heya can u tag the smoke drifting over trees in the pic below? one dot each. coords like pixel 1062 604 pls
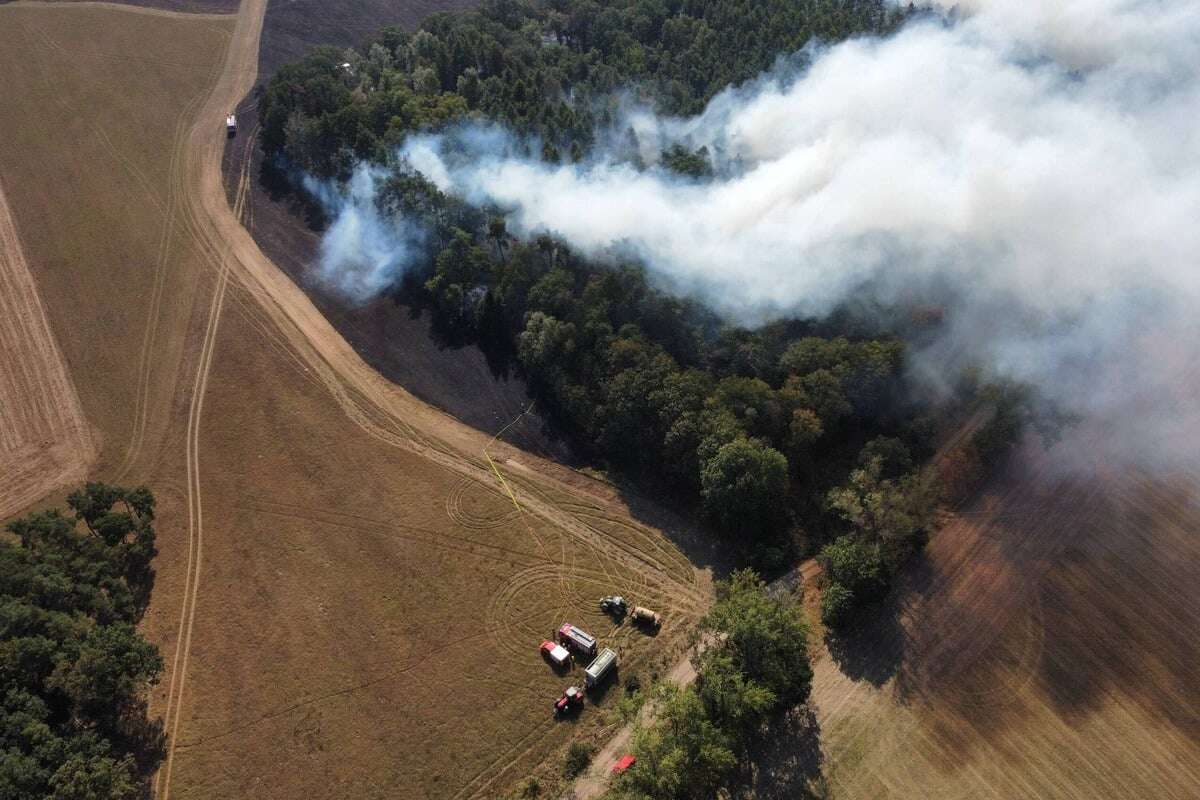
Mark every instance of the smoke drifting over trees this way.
pixel 1033 168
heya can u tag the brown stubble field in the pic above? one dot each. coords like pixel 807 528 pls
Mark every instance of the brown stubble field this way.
pixel 348 598
pixel 1047 647
pixel 45 440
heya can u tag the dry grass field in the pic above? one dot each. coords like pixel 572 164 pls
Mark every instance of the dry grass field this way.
pixel 352 584
pixel 1047 649
pixel 350 590
pixel 45 441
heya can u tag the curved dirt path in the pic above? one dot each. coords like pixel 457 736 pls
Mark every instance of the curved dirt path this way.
pixel 382 410
pixel 45 441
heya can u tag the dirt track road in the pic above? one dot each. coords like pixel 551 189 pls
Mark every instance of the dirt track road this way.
pixel 382 410
pixel 45 442
pixel 594 780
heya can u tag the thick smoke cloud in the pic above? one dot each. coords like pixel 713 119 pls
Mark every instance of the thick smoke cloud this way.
pixel 1034 165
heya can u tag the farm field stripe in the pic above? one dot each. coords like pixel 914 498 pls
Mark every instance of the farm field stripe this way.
pixel 45 440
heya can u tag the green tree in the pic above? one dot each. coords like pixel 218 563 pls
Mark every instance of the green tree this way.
pixel 682 756
pixel 895 514
pixel 73 668
pixel 744 486
pixel 579 755
pixel 765 637
pixel 95 777
pixel 838 606
pixel 856 565
pixel 736 702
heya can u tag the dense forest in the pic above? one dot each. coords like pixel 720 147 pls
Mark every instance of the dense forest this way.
pixel 73 667
pixel 555 69
pixel 787 438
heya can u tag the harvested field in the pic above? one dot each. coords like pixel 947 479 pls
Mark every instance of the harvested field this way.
pixel 45 442
pixel 1041 652
pixel 70 177
pixel 187 6
pixel 351 585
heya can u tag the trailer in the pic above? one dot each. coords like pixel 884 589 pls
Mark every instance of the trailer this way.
pixel 600 669
pixel 644 616
pixel 577 639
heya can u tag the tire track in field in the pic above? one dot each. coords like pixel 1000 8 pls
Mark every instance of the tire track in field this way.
pixel 391 674
pixel 150 332
pixel 380 409
pixel 187 612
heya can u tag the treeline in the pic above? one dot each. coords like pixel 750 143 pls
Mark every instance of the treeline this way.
pixel 751 659
pixel 73 668
pixel 550 69
pixel 753 426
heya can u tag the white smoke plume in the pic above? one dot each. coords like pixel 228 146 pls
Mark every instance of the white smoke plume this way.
pixel 362 253
pixel 1037 162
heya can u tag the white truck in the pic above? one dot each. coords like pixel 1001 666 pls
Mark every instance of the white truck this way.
pixel 231 125
pixel 600 669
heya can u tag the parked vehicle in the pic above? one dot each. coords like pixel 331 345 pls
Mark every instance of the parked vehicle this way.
pixel 614 604
pixel 571 700
pixel 623 763
pixel 600 669
pixel 558 655
pixel 577 639
pixel 645 616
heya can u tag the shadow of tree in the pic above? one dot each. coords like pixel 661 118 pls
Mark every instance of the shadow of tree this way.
pixel 785 762
pixel 872 650
pixel 145 739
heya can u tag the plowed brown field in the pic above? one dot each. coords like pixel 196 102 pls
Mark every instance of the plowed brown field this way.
pixel 1047 649
pixel 352 585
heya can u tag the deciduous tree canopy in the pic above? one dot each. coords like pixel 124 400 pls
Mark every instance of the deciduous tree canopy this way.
pixel 73 667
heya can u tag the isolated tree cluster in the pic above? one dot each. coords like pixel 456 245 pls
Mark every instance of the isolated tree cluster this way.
pixel 751 659
pixel 74 670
